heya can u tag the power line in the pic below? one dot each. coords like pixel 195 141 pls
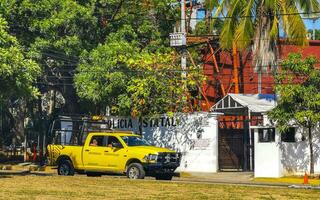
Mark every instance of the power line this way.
pixel 252 16
pixel 215 84
pixel 195 18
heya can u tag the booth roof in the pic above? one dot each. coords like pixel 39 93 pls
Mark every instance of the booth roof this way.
pixel 239 103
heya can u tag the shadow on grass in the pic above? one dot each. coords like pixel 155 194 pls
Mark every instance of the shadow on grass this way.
pixel 5 176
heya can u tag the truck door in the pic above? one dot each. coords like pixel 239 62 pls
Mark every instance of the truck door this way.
pixel 116 154
pixel 94 152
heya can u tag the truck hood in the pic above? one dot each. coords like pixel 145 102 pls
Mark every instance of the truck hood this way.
pixel 150 149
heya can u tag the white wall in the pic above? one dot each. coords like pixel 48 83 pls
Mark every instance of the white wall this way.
pixel 295 157
pixel 276 159
pixel 195 136
pixel 267 156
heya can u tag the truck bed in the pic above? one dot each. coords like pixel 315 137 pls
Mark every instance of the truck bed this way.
pixel 74 152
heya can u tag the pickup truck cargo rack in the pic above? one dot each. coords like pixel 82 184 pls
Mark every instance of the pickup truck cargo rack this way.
pixel 73 130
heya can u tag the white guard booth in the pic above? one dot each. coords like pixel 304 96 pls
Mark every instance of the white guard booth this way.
pixel 275 154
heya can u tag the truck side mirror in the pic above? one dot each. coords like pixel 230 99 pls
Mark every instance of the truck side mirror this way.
pixel 117 145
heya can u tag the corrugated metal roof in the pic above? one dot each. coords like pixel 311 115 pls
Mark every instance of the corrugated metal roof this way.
pixel 256 103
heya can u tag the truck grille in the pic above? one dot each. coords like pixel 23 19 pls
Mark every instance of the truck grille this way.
pixel 169 158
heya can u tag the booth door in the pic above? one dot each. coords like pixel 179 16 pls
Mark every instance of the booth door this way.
pixel 231 149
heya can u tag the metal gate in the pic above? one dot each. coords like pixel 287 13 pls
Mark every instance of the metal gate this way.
pixel 236 149
pixel 231 149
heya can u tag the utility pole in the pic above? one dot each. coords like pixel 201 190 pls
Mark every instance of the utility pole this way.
pixel 183 31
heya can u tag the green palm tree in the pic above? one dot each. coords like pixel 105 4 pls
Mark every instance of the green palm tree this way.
pixel 256 24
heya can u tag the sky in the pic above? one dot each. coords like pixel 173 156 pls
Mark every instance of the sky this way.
pixel 309 24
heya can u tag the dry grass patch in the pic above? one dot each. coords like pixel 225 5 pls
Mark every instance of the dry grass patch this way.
pixel 106 187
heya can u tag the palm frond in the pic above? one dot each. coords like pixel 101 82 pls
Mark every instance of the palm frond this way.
pixel 229 26
pixel 245 29
pixel 310 6
pixel 274 32
pixel 219 9
pixel 211 4
pixel 294 26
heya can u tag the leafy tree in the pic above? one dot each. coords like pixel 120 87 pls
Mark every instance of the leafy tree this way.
pixel 132 72
pixel 298 86
pixel 18 75
pixel 111 45
pixel 57 32
pixel 54 33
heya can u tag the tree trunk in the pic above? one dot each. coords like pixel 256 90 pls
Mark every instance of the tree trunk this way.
pixel 19 114
pixel 311 151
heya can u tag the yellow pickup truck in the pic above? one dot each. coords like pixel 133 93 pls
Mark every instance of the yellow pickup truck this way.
pixel 120 152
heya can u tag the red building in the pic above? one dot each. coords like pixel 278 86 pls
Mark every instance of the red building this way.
pixel 219 69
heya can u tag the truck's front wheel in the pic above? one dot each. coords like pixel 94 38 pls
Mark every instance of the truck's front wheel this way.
pixel 135 171
pixel 65 168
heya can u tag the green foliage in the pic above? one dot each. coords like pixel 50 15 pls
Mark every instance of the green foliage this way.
pixel 204 27
pixel 298 86
pixel 132 72
pixel 118 50
pixel 135 81
pixel 317 32
pixel 17 73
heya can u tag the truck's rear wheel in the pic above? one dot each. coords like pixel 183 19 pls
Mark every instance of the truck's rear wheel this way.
pixel 164 176
pixel 135 171
pixel 65 168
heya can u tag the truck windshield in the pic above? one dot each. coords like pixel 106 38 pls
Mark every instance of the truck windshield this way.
pixel 135 141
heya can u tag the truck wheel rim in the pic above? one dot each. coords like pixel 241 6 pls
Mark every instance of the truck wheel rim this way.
pixel 64 169
pixel 133 173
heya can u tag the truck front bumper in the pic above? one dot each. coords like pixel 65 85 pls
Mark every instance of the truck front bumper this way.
pixel 158 168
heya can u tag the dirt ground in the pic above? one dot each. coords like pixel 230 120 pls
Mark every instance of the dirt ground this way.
pixel 106 187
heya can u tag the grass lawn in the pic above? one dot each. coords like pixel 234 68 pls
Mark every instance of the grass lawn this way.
pixel 82 187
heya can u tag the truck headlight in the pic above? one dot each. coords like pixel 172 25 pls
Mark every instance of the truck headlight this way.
pixel 151 157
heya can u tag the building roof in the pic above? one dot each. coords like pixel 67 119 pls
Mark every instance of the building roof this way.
pixel 240 104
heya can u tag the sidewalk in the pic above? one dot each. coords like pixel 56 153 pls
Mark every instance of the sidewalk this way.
pixel 237 178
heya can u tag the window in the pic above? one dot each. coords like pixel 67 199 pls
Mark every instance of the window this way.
pixel 266 134
pixel 289 135
pixel 135 141
pixel 98 141
pixel 113 141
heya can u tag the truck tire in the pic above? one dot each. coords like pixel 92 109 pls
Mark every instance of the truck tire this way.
pixel 135 171
pixel 164 177
pixel 65 168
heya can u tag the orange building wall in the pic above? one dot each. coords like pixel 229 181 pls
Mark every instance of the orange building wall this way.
pixel 248 78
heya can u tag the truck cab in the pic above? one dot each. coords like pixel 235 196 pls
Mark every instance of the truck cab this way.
pixel 115 151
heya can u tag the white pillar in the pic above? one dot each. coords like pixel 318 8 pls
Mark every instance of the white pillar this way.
pixel 214 129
